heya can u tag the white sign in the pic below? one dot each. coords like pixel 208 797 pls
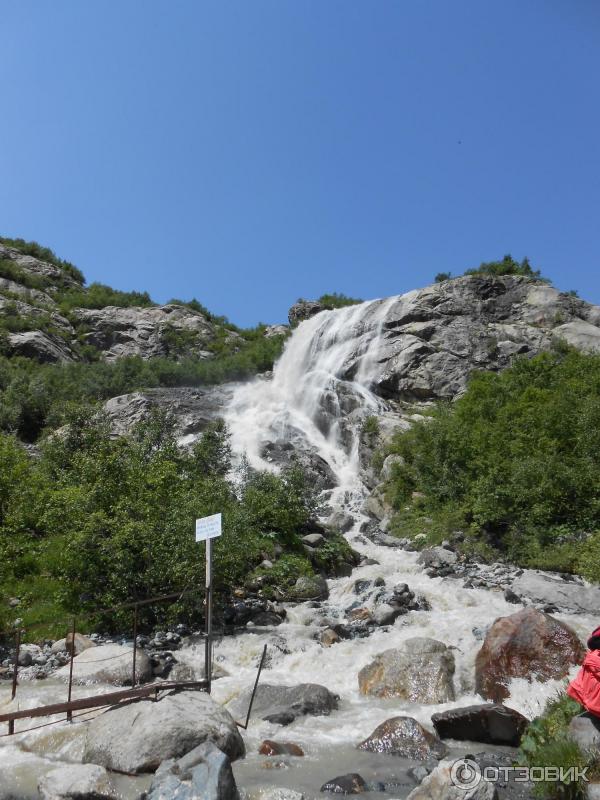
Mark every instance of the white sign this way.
pixel 208 528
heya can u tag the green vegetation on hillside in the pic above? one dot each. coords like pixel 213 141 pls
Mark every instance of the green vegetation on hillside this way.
pixel 44 254
pixel 34 397
pixel 98 295
pixel 96 521
pixel 514 464
pixel 507 266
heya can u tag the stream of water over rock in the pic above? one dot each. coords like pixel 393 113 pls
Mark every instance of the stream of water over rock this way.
pixel 317 399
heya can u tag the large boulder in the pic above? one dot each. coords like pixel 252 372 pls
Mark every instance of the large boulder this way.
pixel 528 644
pixel 108 663
pixel 487 722
pixel 585 730
pixel 570 596
pixel 137 737
pixel 77 782
pixel 437 557
pixel 81 643
pixel 444 783
pixel 421 671
pixel 284 704
pixel 310 587
pixel 203 774
pixel 404 736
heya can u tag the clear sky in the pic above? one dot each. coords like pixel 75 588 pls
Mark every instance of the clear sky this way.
pixel 249 152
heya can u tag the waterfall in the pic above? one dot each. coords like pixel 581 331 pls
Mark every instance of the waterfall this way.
pixel 320 391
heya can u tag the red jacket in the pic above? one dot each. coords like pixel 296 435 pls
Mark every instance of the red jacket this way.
pixel 585 688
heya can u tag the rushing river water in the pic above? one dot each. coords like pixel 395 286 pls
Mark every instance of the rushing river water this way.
pixel 329 362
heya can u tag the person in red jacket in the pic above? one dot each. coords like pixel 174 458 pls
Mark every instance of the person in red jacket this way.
pixel 585 688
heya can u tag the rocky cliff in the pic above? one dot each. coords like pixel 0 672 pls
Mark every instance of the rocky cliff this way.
pixel 429 342
pixel 34 324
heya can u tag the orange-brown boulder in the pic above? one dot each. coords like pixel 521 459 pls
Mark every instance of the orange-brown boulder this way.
pixel 272 748
pixel 528 644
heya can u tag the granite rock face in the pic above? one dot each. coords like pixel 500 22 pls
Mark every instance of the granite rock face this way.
pixel 168 330
pixel 138 737
pixel 436 336
pixel 303 309
pixel 571 595
pixel 192 409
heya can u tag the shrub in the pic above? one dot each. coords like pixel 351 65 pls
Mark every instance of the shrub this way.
pixel 99 521
pixel 507 266
pixel 98 295
pixel 515 462
pixel 335 300
pixel 370 426
pixel 546 744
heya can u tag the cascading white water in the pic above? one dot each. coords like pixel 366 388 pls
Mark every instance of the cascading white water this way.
pixel 318 396
pixel 329 361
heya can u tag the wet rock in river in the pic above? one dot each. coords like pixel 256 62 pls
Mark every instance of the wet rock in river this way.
pixel 108 663
pixel 404 736
pixel 202 774
pixel 353 783
pixel 139 736
pixel 77 782
pixel 441 785
pixel 438 561
pixel 272 748
pixel 81 643
pixel 487 722
pixel 528 644
pixel 266 619
pixel 310 587
pixel 421 671
pixel 564 593
pixel 276 793
pixel 284 704
pixel 329 637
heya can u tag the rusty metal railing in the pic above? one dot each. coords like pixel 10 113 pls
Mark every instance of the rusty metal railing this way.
pixel 94 701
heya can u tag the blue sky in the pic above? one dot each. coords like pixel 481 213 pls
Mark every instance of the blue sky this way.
pixel 249 152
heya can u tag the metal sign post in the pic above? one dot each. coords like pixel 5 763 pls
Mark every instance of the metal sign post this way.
pixel 207 529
